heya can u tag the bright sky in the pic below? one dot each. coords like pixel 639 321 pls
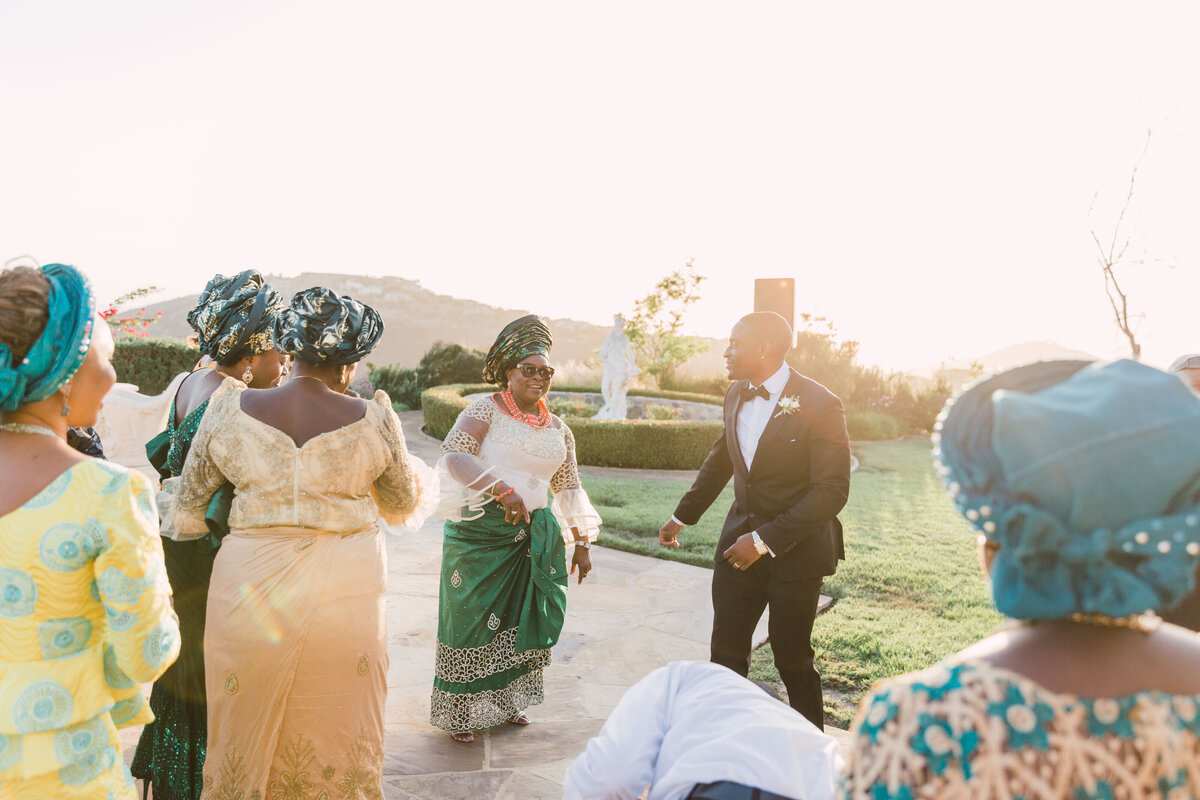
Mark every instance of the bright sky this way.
pixel 923 170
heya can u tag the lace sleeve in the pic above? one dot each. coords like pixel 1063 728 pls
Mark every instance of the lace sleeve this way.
pixel 201 476
pixel 463 477
pixel 571 505
pixel 567 476
pixel 459 441
pixel 396 491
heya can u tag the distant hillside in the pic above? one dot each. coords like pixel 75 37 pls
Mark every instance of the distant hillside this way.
pixel 1024 353
pixel 414 318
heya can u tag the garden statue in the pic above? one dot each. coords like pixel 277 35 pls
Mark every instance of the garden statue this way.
pixel 619 369
pixel 129 419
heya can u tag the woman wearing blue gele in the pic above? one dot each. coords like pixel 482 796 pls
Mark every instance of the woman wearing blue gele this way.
pixel 1082 482
pixel 85 607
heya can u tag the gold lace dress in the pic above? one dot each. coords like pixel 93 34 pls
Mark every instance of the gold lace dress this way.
pixel 295 652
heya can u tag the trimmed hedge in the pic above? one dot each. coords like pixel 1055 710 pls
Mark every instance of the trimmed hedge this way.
pixel 873 426
pixel 660 394
pixel 631 443
pixel 150 364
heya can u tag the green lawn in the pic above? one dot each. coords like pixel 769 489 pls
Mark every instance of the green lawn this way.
pixel 909 593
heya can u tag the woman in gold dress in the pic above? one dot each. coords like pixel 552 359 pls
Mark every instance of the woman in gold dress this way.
pixel 295 654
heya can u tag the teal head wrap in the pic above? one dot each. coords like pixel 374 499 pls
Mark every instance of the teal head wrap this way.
pixel 1087 476
pixel 522 337
pixel 323 327
pixel 60 349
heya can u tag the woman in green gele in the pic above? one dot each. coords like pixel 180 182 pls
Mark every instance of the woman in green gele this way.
pixel 234 319
pixel 503 589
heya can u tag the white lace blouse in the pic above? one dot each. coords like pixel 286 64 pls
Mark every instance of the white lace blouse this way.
pixel 487 446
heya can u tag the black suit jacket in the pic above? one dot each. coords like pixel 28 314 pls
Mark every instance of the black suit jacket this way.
pixel 799 481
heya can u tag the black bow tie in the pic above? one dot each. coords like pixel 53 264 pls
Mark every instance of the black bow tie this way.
pixel 749 393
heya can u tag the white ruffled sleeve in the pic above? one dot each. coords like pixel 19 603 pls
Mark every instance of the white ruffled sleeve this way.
pixel 463 479
pixel 571 505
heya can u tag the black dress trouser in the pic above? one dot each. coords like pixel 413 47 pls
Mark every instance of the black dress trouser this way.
pixel 739 599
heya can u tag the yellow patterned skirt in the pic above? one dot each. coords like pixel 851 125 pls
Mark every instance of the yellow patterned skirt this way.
pixel 295 661
pixel 100 772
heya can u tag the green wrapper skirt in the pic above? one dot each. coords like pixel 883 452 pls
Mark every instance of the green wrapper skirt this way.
pixel 501 607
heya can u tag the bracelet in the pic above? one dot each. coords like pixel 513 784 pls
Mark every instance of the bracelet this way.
pixel 503 495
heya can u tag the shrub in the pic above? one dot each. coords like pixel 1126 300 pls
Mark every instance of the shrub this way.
pixel 714 385
pixel 632 444
pixel 655 393
pixel 573 408
pixel 662 413
pixel 150 364
pixel 400 383
pixel 362 386
pixel 442 364
pixel 821 356
pixel 873 426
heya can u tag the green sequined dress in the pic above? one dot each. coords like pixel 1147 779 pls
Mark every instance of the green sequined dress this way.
pixel 170 752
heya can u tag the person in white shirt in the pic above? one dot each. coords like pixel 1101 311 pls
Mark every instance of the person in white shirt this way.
pixel 692 724
pixel 786 448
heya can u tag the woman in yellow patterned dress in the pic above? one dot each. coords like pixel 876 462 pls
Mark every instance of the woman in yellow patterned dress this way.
pixel 85 607
pixel 295 654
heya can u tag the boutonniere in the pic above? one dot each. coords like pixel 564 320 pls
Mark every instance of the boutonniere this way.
pixel 788 405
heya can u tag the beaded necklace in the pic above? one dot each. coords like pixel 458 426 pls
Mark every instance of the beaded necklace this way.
pixel 541 419
pixel 21 427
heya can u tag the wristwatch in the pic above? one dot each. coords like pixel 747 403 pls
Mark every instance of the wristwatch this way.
pixel 759 545
pixel 584 543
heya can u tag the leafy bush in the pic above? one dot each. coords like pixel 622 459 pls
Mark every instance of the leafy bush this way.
pixel 820 355
pixel 662 413
pixel 150 364
pixel 573 408
pixel 400 383
pixel 655 393
pixel 713 385
pixel 442 364
pixel 362 386
pixel 633 444
pixel 873 426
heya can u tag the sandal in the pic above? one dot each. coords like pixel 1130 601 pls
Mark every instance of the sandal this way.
pixel 465 737
pixel 518 719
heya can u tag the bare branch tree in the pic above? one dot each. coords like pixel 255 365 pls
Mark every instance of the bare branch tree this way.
pixel 1110 257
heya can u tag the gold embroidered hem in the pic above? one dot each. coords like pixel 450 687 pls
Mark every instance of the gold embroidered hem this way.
pixel 487 709
pixel 300 772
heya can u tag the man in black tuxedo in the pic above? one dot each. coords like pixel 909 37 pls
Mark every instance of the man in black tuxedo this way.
pixel 785 446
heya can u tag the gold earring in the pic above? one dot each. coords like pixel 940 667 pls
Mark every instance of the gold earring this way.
pixel 248 375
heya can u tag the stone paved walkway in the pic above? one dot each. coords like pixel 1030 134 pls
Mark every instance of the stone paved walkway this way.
pixel 633 615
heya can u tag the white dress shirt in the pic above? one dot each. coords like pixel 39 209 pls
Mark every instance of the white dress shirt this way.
pixel 695 722
pixel 754 415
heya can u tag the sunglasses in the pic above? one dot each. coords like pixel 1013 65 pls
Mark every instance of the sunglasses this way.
pixel 529 370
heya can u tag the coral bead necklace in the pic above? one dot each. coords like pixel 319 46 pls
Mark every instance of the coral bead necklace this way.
pixel 540 419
